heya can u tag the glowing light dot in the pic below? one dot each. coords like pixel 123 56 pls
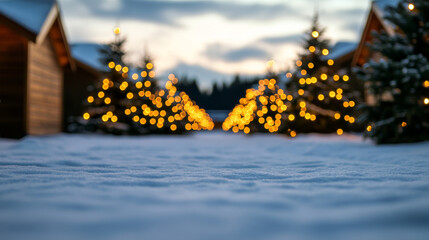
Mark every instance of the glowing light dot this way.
pixel 346 78
pixel 426 101
pixel 173 127
pixel 90 99
pixel 315 34
pixel 117 30
pixel 325 52
pixel 246 130
pixel 107 100
pixel 111 65
pixel 330 62
pixel 369 128
pixel 312 49
pixel 411 7
pixel 426 84
pixel 404 124
pixel 340 131
pixel 86 116
pixel 293 134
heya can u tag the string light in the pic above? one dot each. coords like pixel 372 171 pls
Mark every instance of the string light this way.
pixel 315 34
pixel 411 6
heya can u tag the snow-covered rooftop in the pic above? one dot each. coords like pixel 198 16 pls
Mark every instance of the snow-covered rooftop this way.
pixel 340 49
pixel 30 14
pixel 89 54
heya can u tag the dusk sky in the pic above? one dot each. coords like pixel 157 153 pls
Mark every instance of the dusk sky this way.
pixel 212 40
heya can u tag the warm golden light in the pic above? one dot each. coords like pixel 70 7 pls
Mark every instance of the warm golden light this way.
pixel 325 52
pixel 346 78
pixel 321 97
pixel 147 84
pixel 152 74
pixel 101 94
pixel 411 6
pixel 114 119
pixel 337 116
pixel 315 34
pixel 330 62
pixel 426 101
pixel 270 63
pixel 130 95
pixel 107 100
pixel 90 99
pixel 117 31
pixel 111 64
pixel 426 84
pixel 311 65
pixel 301 92
pixel 298 63
pixel 369 128
pixel 340 131
pixel 324 76
pixel 312 49
pixel 86 116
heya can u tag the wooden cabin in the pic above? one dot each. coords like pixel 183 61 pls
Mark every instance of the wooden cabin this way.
pixel 375 23
pixel 33 56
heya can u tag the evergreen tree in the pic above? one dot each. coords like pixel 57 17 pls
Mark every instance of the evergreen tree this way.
pixel 107 99
pixel 261 110
pixel 322 100
pixel 399 82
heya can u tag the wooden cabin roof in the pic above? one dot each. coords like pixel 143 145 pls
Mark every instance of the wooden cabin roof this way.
pixel 36 20
pixel 375 22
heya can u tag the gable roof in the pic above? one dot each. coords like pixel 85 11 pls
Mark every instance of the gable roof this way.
pixel 34 20
pixel 31 15
pixel 375 21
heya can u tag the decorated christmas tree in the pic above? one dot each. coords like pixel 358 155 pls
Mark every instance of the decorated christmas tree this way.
pixel 399 81
pixel 107 99
pixel 167 110
pixel 262 109
pixel 322 101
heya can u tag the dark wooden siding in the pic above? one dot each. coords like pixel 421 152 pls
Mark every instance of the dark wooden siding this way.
pixel 13 71
pixel 45 84
pixel 76 90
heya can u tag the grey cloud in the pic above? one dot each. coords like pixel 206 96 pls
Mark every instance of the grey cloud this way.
pixel 165 12
pixel 283 39
pixel 219 52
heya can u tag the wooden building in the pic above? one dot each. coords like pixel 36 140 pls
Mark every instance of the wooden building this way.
pixel 33 56
pixel 375 23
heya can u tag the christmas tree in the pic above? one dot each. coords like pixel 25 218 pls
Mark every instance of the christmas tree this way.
pixel 322 100
pixel 107 99
pixel 167 110
pixel 262 109
pixel 399 82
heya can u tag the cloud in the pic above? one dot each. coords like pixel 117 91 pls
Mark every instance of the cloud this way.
pixel 290 38
pixel 221 52
pixel 167 12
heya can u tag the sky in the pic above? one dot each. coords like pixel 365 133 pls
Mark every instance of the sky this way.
pixel 212 40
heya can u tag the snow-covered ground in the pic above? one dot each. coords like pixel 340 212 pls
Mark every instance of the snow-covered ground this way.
pixel 212 186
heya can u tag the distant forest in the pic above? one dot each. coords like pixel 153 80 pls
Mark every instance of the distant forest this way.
pixel 223 97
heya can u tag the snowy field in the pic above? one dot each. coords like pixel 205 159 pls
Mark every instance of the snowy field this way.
pixel 212 186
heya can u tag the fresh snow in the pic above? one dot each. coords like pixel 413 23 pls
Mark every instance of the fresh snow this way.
pixel 31 14
pixel 212 186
